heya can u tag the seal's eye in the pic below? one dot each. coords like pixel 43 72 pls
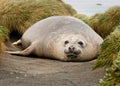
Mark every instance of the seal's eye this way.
pixel 66 42
pixel 80 43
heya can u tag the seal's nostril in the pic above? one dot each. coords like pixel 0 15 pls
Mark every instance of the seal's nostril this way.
pixel 71 48
pixel 77 52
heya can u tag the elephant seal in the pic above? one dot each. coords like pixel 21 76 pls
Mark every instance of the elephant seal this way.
pixel 60 37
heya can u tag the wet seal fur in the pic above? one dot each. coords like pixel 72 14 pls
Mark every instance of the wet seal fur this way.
pixel 60 37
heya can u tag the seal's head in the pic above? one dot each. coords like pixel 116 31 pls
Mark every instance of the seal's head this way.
pixel 73 49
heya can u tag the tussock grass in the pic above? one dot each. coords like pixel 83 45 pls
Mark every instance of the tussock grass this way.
pixel 20 14
pixel 112 77
pixel 2 47
pixel 82 17
pixel 3 37
pixel 110 48
pixel 110 57
pixel 105 23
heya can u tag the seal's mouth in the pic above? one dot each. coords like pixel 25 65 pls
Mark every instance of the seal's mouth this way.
pixel 72 54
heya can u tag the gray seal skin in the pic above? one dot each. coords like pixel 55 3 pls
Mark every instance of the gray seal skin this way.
pixel 60 37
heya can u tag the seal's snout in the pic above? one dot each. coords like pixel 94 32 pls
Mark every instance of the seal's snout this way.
pixel 71 49
pixel 72 52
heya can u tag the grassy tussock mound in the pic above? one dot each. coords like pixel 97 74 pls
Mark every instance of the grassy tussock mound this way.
pixel 105 23
pixel 110 49
pixel 110 57
pixel 3 36
pixel 112 77
pixel 21 14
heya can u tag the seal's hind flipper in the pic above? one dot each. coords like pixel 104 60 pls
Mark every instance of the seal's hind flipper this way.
pixel 16 43
pixel 24 52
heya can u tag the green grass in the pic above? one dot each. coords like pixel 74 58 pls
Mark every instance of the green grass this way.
pixel 110 48
pixel 110 57
pixel 3 37
pixel 112 77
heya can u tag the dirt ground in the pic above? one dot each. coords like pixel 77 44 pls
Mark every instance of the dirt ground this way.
pixel 31 71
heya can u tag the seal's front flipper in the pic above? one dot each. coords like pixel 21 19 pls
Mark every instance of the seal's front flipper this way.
pixel 24 52
pixel 18 42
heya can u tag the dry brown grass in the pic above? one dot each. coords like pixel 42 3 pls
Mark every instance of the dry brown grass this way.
pixel 82 17
pixel 105 23
pixel 21 14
